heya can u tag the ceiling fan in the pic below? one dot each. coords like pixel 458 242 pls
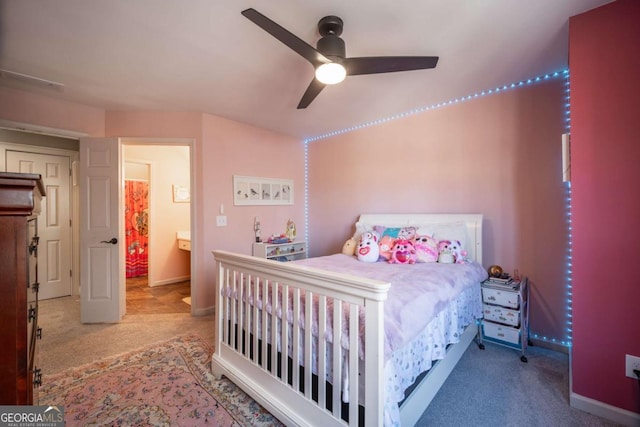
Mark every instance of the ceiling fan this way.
pixel 329 58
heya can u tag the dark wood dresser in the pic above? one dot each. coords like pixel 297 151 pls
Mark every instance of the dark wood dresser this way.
pixel 20 196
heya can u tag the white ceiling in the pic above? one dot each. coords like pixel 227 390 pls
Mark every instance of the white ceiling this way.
pixel 203 55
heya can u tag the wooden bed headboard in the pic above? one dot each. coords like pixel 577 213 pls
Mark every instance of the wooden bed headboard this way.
pixel 472 223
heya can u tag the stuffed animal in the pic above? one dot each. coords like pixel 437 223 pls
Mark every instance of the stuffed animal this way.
pixel 367 235
pixel 349 247
pixel 459 254
pixel 444 252
pixel 368 250
pixel 407 233
pixel 426 248
pixel 386 244
pixel 403 252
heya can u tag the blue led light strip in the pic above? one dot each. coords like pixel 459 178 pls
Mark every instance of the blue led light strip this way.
pixel 558 74
pixel 306 195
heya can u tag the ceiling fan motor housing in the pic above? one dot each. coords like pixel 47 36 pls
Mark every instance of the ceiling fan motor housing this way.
pixel 330 28
pixel 331 46
pixel 330 25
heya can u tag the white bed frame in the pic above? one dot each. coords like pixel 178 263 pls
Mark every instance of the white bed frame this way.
pixel 247 276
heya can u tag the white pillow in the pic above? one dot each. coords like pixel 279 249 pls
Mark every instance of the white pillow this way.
pixel 447 231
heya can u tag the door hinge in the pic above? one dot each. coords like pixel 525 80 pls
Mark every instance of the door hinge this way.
pixel 70 223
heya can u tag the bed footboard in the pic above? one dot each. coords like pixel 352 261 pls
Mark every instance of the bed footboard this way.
pixel 292 338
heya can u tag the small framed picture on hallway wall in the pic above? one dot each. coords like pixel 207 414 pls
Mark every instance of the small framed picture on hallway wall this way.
pixel 249 190
pixel 181 194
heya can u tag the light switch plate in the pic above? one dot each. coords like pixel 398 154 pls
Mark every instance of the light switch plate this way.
pixel 221 220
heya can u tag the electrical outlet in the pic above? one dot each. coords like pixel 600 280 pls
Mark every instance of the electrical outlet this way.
pixel 221 221
pixel 631 363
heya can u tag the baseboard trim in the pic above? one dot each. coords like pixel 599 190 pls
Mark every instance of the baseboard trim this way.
pixel 604 410
pixel 549 345
pixel 203 311
pixel 170 281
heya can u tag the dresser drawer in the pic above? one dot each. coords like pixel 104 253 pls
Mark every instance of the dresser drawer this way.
pixel 501 332
pixel 501 314
pixel 500 297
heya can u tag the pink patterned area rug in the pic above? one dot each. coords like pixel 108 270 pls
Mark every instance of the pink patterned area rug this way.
pixel 164 384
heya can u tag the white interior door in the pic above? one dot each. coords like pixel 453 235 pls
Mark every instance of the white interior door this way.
pixel 54 226
pixel 102 278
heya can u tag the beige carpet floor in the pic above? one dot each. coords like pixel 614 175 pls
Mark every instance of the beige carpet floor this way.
pixel 67 343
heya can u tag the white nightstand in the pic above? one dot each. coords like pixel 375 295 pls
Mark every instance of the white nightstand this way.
pixel 505 311
pixel 281 251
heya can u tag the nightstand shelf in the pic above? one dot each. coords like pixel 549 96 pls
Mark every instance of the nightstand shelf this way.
pixel 281 251
pixel 506 315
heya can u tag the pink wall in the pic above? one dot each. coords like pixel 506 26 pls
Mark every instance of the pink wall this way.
pixel 605 65
pixel 499 155
pixel 25 107
pixel 233 148
pixel 154 124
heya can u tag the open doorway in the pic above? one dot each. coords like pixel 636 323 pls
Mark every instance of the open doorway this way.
pixel 157 210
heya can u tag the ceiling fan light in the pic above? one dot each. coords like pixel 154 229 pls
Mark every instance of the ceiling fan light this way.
pixel 331 73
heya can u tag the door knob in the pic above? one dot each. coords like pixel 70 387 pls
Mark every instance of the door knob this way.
pixel 113 241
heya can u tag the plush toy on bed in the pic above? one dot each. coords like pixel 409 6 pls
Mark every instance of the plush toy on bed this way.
pixel 403 252
pixel 349 247
pixel 426 248
pixel 386 245
pixel 444 252
pixel 407 233
pixel 450 251
pixel 368 250
pixel 459 254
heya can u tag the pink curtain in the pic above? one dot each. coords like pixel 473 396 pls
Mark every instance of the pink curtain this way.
pixel 136 216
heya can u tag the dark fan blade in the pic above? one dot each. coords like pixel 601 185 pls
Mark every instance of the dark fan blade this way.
pixel 310 94
pixel 292 41
pixel 388 64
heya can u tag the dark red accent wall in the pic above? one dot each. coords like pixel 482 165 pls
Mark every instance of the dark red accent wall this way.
pixel 604 59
